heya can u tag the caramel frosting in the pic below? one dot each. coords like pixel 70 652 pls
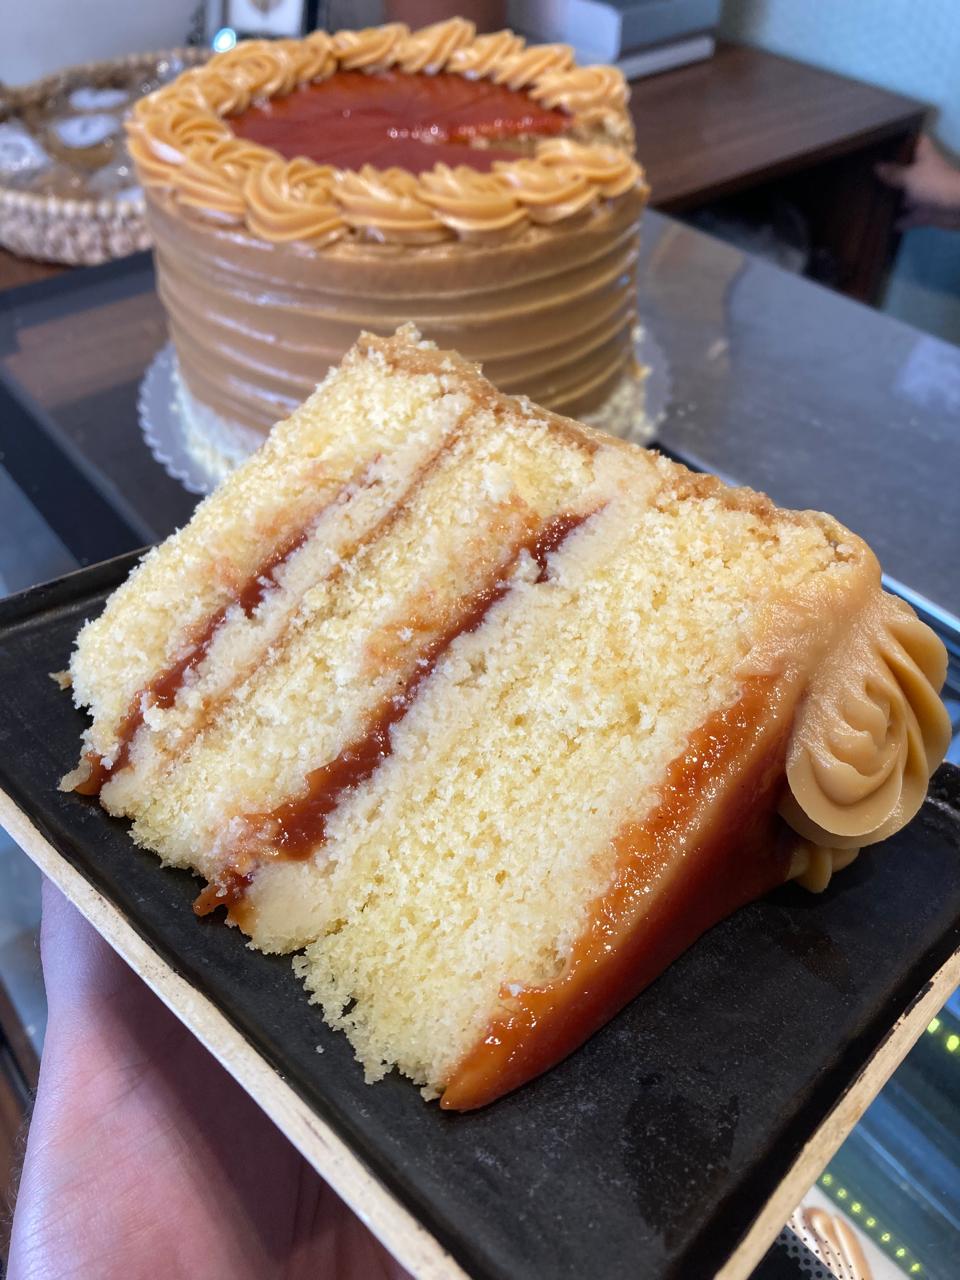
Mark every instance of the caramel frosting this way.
pixel 607 169
pixel 432 48
pixel 834 1240
pixel 870 727
pixel 484 55
pixel 871 730
pixel 814 865
pixel 315 56
pixel 257 319
pixel 213 178
pixel 230 93
pixel 292 200
pixel 595 95
pixel 473 204
pixel 548 193
pixel 263 68
pixel 528 66
pixel 182 143
pixel 176 130
pixel 387 204
pixel 373 49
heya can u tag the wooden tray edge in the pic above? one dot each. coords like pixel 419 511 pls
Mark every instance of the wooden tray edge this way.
pixel 393 1225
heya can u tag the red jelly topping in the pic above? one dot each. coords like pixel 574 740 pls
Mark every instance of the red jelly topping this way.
pixel 387 118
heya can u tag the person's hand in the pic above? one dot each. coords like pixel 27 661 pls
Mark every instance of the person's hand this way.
pixel 146 1159
pixel 930 186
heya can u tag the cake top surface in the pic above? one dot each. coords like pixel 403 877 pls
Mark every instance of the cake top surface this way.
pixel 385 118
pixel 389 135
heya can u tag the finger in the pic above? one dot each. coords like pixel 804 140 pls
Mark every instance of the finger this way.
pixel 929 215
pixel 925 149
pixel 894 175
pixel 77 964
pixel 942 219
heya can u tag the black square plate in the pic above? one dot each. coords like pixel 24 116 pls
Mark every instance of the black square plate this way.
pixel 653 1149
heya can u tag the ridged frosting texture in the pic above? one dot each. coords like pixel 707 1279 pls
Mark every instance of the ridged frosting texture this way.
pixel 257 318
pixel 182 143
pixel 871 730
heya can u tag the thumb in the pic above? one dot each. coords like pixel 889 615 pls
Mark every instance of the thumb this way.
pixel 78 966
pixel 894 175
pixel 924 150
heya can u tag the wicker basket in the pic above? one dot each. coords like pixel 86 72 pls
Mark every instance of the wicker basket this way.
pixel 61 229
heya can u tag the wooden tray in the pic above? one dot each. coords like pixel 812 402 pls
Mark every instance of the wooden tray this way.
pixel 674 1144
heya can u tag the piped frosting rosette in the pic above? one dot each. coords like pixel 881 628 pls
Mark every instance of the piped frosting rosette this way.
pixel 292 200
pixel 180 138
pixel 869 727
pixel 871 731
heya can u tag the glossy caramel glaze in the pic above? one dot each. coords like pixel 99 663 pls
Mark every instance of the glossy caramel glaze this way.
pixel 387 118
pixel 713 843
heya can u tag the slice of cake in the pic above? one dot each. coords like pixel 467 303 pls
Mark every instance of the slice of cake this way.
pixel 490 715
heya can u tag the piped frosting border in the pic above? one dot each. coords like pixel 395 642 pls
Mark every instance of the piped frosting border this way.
pixel 182 144
pixel 871 731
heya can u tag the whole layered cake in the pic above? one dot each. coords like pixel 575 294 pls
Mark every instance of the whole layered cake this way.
pixel 489 714
pixel 302 190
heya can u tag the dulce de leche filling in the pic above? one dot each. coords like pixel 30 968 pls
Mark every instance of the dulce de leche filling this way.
pixel 390 119
pixel 297 829
pixel 163 689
